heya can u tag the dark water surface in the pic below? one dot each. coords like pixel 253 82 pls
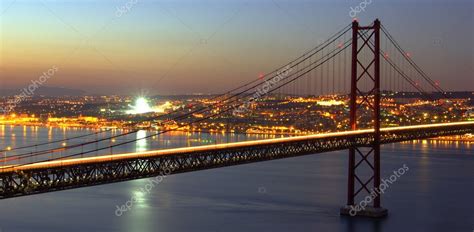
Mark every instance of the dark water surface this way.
pixel 295 194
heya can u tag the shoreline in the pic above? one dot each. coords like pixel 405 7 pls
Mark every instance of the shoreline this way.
pixel 458 138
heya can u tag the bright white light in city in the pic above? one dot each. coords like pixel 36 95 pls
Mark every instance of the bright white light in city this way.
pixel 141 106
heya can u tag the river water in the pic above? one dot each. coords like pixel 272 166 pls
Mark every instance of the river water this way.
pixel 294 194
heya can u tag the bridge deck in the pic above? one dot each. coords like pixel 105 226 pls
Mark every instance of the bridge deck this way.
pixel 188 150
pixel 65 174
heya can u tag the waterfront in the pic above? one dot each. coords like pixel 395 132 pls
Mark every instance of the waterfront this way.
pixel 299 194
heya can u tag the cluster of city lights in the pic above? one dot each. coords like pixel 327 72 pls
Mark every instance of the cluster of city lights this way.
pixel 142 106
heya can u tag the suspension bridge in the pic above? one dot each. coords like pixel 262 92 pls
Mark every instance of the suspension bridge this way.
pixel 363 63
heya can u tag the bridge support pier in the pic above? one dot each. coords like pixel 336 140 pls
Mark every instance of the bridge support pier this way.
pixel 370 98
pixel 369 211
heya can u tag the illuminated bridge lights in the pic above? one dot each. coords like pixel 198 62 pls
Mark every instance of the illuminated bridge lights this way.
pixel 80 172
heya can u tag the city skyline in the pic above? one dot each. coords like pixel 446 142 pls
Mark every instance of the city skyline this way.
pixel 166 47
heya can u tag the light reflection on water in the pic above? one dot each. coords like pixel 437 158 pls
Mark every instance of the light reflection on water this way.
pixel 301 194
pixel 141 141
pixel 21 136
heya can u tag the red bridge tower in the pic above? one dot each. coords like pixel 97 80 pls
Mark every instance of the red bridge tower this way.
pixel 369 75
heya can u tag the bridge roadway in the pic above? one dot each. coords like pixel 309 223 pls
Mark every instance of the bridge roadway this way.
pixel 81 172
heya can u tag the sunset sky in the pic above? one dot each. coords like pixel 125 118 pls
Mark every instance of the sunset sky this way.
pixel 207 46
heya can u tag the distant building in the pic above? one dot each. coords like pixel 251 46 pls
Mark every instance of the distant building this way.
pixel 470 114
